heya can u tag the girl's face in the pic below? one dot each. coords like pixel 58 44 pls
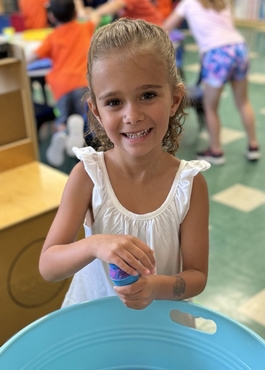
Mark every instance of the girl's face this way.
pixel 134 101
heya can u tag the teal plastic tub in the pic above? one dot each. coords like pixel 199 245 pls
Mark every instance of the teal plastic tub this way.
pixel 104 334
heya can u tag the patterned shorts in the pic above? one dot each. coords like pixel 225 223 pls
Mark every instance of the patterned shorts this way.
pixel 225 64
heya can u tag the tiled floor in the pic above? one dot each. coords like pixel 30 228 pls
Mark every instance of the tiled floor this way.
pixel 236 285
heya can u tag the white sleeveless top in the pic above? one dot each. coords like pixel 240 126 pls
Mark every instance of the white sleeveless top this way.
pixel 158 229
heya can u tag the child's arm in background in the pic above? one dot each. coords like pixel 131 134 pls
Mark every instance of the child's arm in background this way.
pixel 110 7
pixel 172 21
pixel 86 13
pixel 62 256
pixel 82 11
pixel 79 7
pixel 95 18
pixel 194 245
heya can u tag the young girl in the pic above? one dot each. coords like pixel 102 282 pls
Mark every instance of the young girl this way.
pixel 145 210
pixel 224 57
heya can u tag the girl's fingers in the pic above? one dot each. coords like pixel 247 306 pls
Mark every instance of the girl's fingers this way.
pixel 136 262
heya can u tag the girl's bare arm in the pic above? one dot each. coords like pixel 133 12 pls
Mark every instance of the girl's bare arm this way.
pixel 63 256
pixel 194 243
pixel 172 21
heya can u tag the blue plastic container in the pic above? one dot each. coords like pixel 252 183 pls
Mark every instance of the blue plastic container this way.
pixel 104 334
pixel 120 277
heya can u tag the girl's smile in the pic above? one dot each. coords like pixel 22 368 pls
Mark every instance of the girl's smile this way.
pixel 131 135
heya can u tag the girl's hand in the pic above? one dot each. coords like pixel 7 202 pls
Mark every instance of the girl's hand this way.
pixel 127 252
pixel 140 294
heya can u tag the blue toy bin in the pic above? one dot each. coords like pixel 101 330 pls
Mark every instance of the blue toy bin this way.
pixel 104 334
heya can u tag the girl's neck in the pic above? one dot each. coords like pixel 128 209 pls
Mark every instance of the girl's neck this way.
pixel 136 167
pixel 141 186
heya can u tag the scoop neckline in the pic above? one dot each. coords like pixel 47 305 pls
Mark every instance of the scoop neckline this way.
pixel 143 216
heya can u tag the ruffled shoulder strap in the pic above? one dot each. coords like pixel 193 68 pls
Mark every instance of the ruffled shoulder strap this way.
pixel 93 162
pixel 186 173
pixel 191 168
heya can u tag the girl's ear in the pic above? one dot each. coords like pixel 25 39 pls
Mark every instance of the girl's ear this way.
pixel 94 110
pixel 177 97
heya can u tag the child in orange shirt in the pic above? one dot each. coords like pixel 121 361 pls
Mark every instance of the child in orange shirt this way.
pixel 67 47
pixel 34 13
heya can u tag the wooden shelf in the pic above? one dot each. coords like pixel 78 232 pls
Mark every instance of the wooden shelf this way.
pixel 18 140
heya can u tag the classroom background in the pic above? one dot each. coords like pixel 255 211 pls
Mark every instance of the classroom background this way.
pixel 236 284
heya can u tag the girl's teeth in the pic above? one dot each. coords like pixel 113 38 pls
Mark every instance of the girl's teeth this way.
pixel 139 134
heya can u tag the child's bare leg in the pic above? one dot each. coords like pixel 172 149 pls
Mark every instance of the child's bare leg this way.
pixel 211 98
pixel 245 109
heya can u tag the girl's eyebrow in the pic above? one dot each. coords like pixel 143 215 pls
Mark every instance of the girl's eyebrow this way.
pixel 113 93
pixel 150 87
pixel 109 94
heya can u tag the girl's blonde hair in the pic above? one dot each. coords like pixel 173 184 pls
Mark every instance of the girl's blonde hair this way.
pixel 126 37
pixel 217 5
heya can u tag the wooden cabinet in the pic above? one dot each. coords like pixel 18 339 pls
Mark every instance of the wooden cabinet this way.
pixel 18 141
pixel 30 194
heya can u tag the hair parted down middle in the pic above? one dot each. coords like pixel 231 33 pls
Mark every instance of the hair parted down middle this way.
pixel 128 38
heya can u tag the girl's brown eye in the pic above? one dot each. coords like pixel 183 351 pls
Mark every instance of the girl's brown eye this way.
pixel 148 95
pixel 113 103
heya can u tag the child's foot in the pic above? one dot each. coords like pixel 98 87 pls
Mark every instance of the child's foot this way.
pixel 75 137
pixel 253 154
pixel 209 156
pixel 55 152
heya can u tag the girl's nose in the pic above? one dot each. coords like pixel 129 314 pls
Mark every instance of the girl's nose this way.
pixel 132 114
